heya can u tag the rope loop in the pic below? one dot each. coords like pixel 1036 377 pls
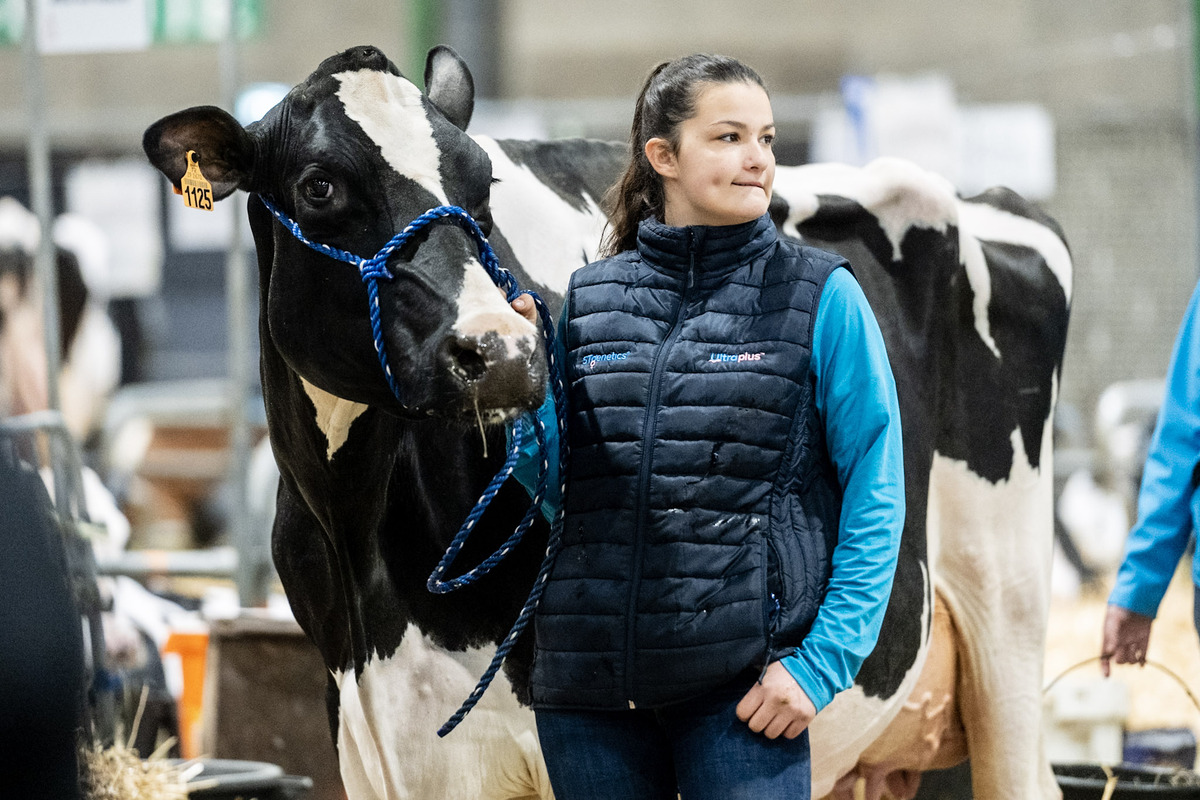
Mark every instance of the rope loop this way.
pixel 371 271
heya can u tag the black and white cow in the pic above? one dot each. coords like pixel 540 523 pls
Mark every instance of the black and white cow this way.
pixel 23 383
pixel 972 297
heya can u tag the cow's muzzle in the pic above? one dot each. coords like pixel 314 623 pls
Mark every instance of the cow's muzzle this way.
pixel 492 378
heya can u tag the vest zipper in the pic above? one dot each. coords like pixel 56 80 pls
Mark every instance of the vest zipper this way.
pixel 648 432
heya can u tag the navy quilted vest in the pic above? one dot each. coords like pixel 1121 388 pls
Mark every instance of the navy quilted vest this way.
pixel 702 507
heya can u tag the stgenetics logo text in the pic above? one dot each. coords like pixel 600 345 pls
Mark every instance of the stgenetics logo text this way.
pixel 590 362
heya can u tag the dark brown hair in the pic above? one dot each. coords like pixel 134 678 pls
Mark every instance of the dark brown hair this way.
pixel 667 99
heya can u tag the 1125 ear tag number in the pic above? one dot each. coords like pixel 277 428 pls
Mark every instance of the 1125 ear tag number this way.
pixel 195 188
pixel 197 196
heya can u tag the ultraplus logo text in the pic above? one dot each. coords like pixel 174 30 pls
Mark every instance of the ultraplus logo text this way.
pixel 723 357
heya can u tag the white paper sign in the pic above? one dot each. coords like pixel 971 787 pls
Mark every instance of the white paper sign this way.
pixel 93 26
pixel 915 118
pixel 973 146
pixel 122 197
pixel 1011 145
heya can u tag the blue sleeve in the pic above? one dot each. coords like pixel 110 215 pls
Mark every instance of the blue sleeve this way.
pixel 856 397
pixel 529 461
pixel 1164 525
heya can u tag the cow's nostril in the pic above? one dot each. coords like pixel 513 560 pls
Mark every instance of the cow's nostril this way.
pixel 468 360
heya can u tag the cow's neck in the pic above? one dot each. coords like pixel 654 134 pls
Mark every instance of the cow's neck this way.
pixel 388 502
pixel 439 472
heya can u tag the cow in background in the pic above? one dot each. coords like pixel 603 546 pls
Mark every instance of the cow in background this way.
pixel 972 297
pixel 90 350
pixel 90 354
pixel 90 369
pixel 22 353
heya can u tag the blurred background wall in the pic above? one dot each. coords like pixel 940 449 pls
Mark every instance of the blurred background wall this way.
pixel 1114 79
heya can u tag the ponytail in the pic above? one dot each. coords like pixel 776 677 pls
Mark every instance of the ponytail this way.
pixel 638 194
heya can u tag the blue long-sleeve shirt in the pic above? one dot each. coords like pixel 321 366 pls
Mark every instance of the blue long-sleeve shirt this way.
pixel 1168 503
pixel 856 396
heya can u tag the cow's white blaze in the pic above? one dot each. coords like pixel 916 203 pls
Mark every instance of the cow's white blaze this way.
pixel 390 110
pixel 482 311
pixel 387 733
pixel 844 728
pixel 898 193
pixel 549 237
pixel 335 415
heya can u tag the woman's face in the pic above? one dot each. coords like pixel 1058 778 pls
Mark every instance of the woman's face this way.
pixel 722 170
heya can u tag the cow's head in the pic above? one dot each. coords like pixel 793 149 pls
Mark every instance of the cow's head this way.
pixel 353 154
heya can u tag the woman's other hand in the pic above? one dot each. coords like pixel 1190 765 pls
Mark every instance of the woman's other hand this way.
pixel 776 705
pixel 1126 637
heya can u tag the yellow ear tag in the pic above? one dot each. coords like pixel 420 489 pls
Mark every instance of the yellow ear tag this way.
pixel 197 191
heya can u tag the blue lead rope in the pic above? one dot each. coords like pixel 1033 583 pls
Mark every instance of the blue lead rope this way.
pixel 374 269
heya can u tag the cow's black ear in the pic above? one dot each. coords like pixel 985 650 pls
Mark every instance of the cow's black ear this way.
pixel 449 85
pixel 225 151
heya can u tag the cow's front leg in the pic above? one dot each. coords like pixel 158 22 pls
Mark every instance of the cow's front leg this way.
pixel 993 568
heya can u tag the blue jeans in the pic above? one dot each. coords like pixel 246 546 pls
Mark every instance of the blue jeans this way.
pixel 697 749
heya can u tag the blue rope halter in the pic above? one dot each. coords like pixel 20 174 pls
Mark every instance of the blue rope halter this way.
pixel 374 269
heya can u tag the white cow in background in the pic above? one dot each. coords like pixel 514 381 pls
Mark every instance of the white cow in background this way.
pixel 91 365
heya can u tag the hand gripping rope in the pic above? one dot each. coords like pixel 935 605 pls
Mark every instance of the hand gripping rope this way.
pixel 374 269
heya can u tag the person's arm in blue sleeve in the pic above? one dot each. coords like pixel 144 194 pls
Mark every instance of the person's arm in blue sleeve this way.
pixel 856 396
pixel 529 461
pixel 1160 537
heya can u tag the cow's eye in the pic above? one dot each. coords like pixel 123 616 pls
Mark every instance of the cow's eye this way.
pixel 317 190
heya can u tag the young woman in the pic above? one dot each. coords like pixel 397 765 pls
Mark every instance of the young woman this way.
pixel 735 494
